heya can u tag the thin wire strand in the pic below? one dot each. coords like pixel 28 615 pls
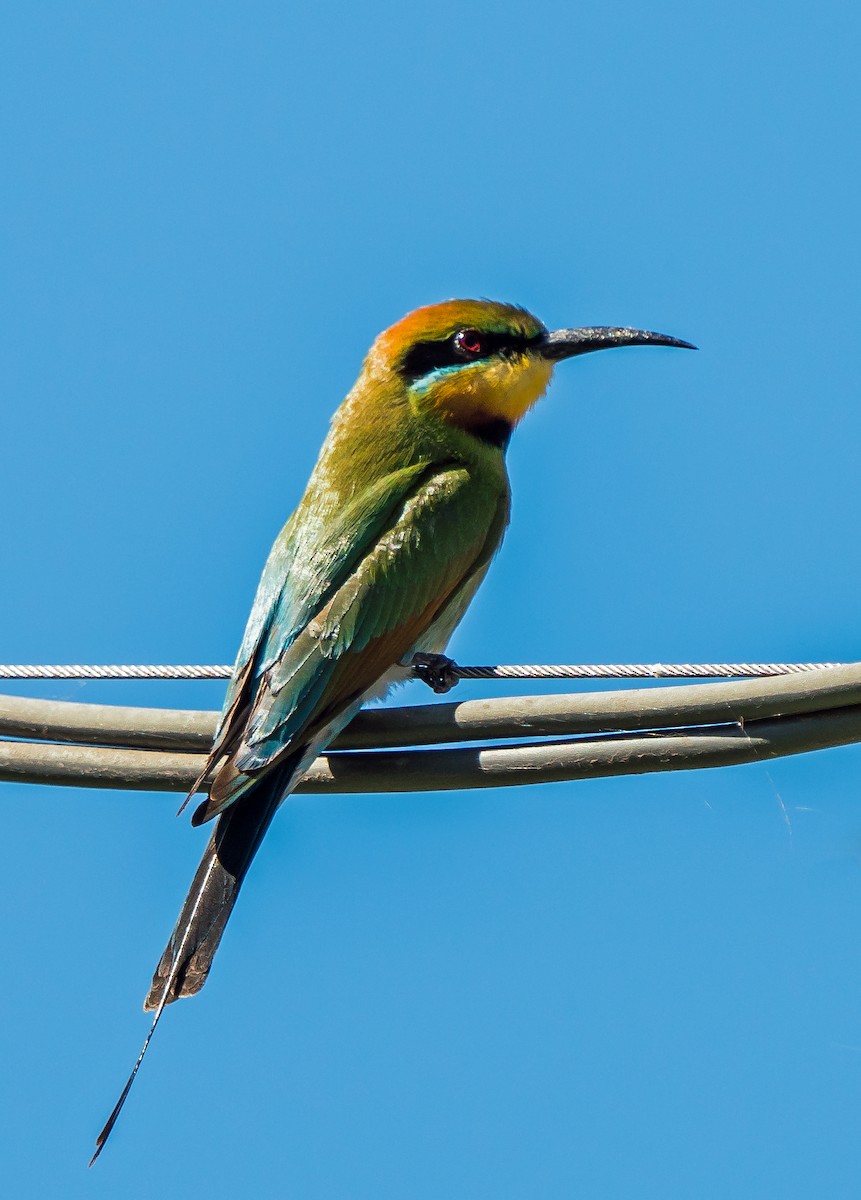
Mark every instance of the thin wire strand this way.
pixel 561 671
pixel 641 671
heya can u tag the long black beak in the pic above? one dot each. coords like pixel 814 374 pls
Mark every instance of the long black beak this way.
pixel 566 343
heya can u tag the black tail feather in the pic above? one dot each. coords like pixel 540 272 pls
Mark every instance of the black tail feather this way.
pixel 214 889
pixel 185 963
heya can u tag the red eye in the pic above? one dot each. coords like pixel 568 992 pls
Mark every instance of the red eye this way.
pixel 469 341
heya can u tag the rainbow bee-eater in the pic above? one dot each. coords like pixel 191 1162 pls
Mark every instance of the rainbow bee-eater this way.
pixel 405 509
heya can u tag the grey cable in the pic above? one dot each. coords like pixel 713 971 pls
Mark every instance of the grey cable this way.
pixel 560 671
pixel 669 728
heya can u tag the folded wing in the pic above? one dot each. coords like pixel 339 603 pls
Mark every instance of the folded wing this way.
pixel 349 610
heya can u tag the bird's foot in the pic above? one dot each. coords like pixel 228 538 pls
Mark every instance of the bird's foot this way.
pixel 436 670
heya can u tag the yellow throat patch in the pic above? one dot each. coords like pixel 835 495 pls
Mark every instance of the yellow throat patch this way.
pixel 497 389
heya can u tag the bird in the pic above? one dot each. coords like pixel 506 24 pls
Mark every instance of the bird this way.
pixel 404 511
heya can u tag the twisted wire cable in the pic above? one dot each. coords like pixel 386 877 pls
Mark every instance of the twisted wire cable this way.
pixel 511 671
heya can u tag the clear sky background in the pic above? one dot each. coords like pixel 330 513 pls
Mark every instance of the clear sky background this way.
pixel 642 987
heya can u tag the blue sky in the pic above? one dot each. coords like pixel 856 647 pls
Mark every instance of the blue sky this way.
pixel 636 987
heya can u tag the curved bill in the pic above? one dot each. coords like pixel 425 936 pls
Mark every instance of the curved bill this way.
pixel 566 343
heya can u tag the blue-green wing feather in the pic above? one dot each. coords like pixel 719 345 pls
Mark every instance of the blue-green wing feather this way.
pixel 419 542
pixel 305 566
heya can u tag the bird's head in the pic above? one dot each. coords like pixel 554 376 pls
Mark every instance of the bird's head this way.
pixel 481 365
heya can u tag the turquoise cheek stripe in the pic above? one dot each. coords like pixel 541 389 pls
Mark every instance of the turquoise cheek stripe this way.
pixel 422 385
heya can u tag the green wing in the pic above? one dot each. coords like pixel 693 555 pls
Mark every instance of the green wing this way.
pixel 347 609
pixel 311 558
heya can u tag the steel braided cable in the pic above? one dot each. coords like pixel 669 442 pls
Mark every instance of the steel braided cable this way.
pixel 531 671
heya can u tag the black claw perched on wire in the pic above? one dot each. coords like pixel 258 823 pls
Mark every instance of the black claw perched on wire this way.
pixel 436 670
